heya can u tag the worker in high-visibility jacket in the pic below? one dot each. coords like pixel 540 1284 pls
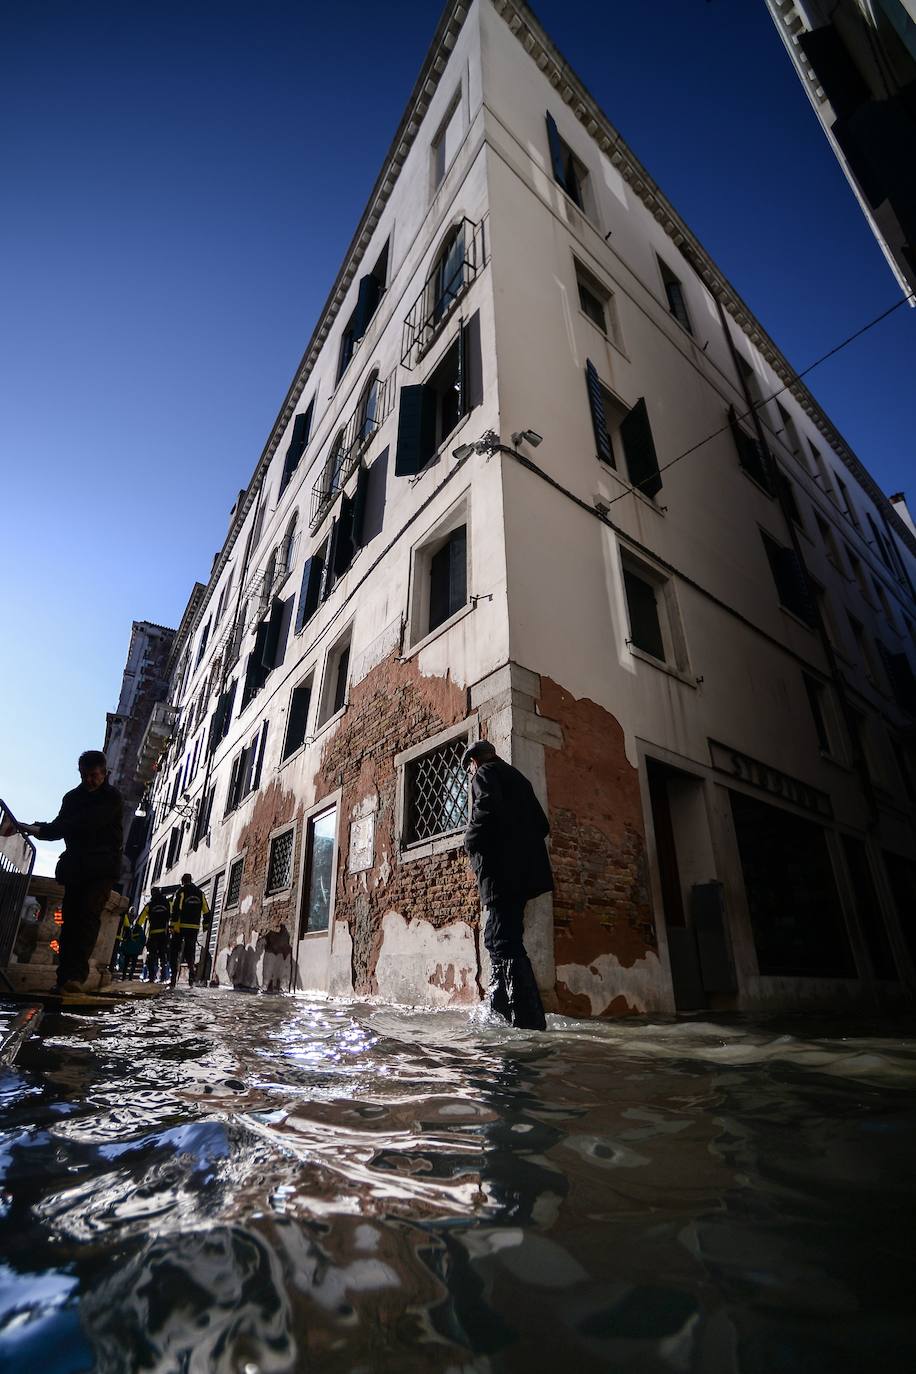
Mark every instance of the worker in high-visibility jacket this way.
pixel 131 941
pixel 156 916
pixel 189 907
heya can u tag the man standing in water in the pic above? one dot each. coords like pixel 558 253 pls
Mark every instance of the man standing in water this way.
pixel 505 840
pixel 90 823
pixel 189 907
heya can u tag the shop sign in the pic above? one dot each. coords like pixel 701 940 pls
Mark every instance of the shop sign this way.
pixel 767 779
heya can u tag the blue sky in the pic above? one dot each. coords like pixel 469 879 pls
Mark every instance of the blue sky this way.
pixel 180 182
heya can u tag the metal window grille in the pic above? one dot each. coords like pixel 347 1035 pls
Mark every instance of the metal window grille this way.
pixel 234 889
pixel 437 793
pixel 280 865
pixel 442 289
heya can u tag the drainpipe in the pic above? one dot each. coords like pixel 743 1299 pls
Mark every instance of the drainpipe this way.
pixel 834 670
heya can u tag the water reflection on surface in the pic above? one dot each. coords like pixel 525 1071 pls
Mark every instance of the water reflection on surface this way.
pixel 214 1182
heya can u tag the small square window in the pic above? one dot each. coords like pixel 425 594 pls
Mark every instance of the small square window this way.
pixel 654 622
pixel 568 170
pixel 436 793
pixel 642 608
pixel 280 862
pixel 234 886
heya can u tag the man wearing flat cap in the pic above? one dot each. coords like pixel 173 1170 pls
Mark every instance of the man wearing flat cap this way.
pixel 505 841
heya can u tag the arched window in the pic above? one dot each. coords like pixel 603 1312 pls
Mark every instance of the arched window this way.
pixel 369 406
pixel 448 276
pixel 289 543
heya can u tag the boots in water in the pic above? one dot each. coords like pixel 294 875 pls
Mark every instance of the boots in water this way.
pixel 526 1008
pixel 498 991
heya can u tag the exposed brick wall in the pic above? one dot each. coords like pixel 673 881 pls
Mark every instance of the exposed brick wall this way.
pixel 392 709
pixel 601 901
pixel 273 807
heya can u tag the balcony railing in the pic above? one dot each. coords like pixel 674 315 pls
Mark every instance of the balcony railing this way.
pixel 459 263
pixel 349 446
pixel 158 733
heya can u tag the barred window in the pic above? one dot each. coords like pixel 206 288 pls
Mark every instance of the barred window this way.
pixel 280 864
pixel 234 888
pixel 436 793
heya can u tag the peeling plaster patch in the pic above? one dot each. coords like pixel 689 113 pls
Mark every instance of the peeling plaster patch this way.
pixel 421 963
pixel 612 989
pixel 384 870
pixel 247 904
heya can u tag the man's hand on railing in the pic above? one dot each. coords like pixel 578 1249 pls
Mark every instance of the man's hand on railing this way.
pixel 33 829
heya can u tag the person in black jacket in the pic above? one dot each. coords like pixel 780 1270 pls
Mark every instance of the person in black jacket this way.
pixel 189 907
pixel 157 917
pixel 90 823
pixel 505 840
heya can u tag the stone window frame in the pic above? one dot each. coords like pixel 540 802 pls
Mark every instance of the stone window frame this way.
pixel 281 893
pixel 332 802
pixel 676 661
pixel 443 844
pixel 458 513
pixel 236 858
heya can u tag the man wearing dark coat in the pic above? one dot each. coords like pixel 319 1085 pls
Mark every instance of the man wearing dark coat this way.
pixel 505 841
pixel 91 825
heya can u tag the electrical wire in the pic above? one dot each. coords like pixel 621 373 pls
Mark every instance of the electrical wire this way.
pixel 796 377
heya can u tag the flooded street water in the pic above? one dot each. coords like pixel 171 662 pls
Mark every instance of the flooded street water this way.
pixel 215 1182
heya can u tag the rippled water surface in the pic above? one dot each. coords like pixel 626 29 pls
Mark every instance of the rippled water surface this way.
pixel 211 1182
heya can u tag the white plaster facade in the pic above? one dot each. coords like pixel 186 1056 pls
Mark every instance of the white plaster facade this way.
pixel 547 604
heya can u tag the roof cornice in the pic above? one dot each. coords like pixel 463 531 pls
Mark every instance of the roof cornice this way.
pixel 573 92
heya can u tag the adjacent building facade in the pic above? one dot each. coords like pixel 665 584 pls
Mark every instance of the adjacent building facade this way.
pixel 542 477
pixel 857 62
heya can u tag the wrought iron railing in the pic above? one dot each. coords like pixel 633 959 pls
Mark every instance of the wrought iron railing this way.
pixel 17 859
pixel 462 257
pixel 348 447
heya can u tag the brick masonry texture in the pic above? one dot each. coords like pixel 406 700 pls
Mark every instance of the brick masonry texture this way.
pixel 598 849
pixel 272 808
pixel 392 709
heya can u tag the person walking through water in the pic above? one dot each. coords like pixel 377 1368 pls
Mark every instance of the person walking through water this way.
pixel 132 941
pixel 156 916
pixel 90 822
pixel 505 841
pixel 189 907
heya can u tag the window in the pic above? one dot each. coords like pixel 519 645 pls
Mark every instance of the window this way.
pixel 752 455
pixel 828 539
pixel 674 293
pixel 631 429
pixel 310 587
pixel 901 678
pixel 246 770
pixel 219 721
pixel 642 609
pixel 297 720
pixel 429 412
pixel 440 577
pixel 791 580
pixel 825 614
pixel 848 507
pixel 369 292
pixel 280 862
pixel 302 428
pixel 815 693
pixel 436 793
pixel 157 866
pixel 224 596
pixel 751 382
pixel 866 657
pixel 202 819
pixel 879 545
pixel 789 431
pixel 319 860
pixel 883 602
pixel 445 144
pixel 448 276
pixel 288 547
pixel 822 473
pixel 269 647
pixel 596 301
pixel 788 496
pixel 858 573
pixel 369 408
pixel 568 171
pixel 234 886
pixel 174 845
pixel 334 693
pixel 201 648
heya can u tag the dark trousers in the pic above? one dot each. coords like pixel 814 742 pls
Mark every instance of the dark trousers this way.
pixel 156 950
pixel 514 990
pixel 81 909
pixel 182 948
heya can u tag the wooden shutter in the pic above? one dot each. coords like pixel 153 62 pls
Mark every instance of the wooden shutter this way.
pixel 359 507
pixel 309 590
pixel 344 547
pixel 298 719
pixel 416 429
pixel 752 456
pixel 639 449
pixel 277 631
pixel 367 300
pixel 297 445
pixel 900 675
pixel 557 152
pixel 256 780
pixel 791 581
pixel 471 365
pixel 599 420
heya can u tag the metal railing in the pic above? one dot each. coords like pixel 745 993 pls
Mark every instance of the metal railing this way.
pixel 17 859
pixel 463 256
pixel 348 447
